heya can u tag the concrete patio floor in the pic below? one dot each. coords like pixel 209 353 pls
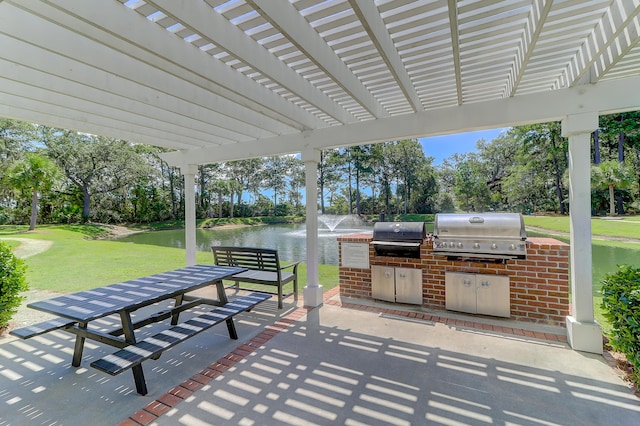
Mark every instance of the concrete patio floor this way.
pixel 341 363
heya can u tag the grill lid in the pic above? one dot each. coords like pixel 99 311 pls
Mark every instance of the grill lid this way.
pixel 399 239
pixel 484 225
pixel 401 233
pixel 486 235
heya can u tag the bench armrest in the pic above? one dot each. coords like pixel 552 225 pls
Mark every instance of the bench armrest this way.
pixel 294 265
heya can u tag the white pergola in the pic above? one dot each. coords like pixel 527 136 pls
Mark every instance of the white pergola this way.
pixel 227 80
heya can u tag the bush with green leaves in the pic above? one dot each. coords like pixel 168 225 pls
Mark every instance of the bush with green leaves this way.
pixel 621 306
pixel 12 283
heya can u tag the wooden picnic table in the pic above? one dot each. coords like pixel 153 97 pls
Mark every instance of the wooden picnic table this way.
pixel 78 310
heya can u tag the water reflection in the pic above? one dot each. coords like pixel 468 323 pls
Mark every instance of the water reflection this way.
pixel 289 240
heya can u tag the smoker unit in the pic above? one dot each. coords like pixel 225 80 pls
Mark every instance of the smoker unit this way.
pixel 497 236
pixel 400 239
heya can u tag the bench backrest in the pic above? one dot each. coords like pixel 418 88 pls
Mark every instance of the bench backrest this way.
pixel 247 257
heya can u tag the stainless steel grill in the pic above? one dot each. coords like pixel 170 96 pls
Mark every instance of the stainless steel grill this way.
pixel 401 239
pixel 484 235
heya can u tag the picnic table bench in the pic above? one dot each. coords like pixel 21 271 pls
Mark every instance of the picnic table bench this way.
pixel 262 267
pixel 77 311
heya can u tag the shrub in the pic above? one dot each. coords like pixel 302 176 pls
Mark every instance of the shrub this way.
pixel 12 282
pixel 621 307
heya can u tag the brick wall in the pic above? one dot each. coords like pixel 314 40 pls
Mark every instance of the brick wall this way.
pixel 539 284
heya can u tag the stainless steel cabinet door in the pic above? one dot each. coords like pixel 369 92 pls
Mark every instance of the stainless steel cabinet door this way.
pixel 409 286
pixel 493 295
pixel 383 283
pixel 460 292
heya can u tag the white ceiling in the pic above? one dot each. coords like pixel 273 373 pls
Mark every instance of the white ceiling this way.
pixel 224 80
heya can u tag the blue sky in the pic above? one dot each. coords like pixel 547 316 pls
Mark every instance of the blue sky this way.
pixel 441 147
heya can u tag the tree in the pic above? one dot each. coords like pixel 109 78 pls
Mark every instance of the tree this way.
pixel 331 162
pixel 275 177
pixel 34 174
pixel 407 159
pixel 95 164
pixel 497 158
pixel 542 157
pixel 610 175
pixel 16 138
pixel 425 189
pixel 470 188
pixel 620 132
pixel 247 175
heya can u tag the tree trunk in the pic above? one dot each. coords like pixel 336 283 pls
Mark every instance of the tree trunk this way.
pixel 86 203
pixel 275 201
pixel 387 195
pixel 596 147
pixel 34 210
pixel 172 194
pixel 621 160
pixel 406 196
pixel 357 192
pixel 350 191
pixel 612 205
pixel 219 205
pixel 558 176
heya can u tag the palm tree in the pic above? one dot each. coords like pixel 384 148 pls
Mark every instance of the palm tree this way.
pixel 33 173
pixel 611 175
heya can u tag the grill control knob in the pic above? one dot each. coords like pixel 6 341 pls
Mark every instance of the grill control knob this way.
pixel 494 246
pixel 460 245
pixel 512 246
pixel 476 245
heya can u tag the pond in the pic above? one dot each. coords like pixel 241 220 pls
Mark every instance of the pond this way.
pixel 290 242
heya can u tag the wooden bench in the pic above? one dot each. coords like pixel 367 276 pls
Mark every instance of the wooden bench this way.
pixel 263 268
pixel 151 347
pixel 41 328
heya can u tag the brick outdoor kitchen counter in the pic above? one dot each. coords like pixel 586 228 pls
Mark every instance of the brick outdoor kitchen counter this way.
pixel 538 285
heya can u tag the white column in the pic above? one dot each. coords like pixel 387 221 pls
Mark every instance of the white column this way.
pixel 189 173
pixel 583 332
pixel 312 292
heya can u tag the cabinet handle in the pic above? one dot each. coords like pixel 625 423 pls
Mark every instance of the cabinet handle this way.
pixel 485 283
pixel 402 274
pixel 387 274
pixel 467 282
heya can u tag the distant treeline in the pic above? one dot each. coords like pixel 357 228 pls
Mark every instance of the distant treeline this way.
pixel 60 176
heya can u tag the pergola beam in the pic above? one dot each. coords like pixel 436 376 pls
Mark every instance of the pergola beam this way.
pixel 605 97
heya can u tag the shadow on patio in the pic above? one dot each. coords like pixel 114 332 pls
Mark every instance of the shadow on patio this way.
pixel 329 365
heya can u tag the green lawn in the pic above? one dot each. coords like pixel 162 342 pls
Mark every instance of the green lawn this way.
pixel 625 227
pixel 75 262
